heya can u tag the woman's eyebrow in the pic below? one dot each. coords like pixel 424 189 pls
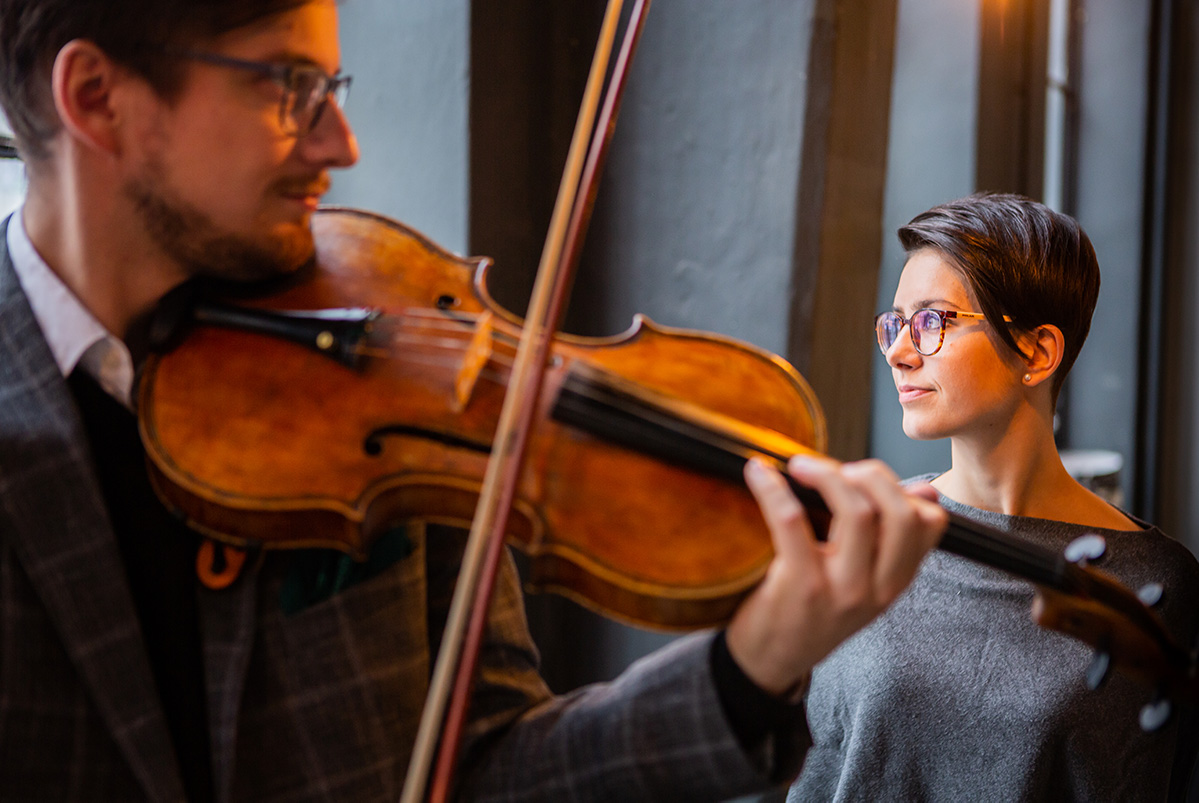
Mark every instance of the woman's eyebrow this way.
pixel 935 303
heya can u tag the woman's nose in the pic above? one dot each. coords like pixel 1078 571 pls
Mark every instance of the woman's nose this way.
pixel 903 351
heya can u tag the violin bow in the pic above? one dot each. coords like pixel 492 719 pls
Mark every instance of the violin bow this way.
pixel 454 671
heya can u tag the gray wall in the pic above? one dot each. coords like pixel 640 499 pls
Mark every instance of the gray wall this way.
pixel 409 108
pixel 693 222
pixel 930 159
pixel 696 213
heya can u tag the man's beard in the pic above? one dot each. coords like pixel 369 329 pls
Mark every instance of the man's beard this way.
pixel 192 239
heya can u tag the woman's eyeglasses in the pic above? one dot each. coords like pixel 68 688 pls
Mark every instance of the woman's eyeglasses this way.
pixel 927 328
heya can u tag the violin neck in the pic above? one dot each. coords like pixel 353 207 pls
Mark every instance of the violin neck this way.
pixel 678 432
pixel 1000 550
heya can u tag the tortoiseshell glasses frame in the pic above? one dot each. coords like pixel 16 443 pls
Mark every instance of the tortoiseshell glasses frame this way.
pixel 926 322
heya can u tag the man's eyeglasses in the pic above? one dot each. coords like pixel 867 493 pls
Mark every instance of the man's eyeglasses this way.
pixel 927 328
pixel 306 87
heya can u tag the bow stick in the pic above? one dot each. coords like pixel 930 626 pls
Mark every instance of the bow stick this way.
pixel 485 544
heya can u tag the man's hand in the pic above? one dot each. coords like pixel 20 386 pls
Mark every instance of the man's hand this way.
pixel 814 594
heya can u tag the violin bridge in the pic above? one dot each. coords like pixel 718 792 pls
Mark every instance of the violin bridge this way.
pixel 476 357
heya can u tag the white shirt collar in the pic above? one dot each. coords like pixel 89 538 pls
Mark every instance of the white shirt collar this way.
pixel 74 335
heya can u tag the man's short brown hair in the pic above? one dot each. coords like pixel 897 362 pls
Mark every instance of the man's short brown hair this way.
pixel 134 33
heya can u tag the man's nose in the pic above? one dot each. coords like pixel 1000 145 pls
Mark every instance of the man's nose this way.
pixel 331 143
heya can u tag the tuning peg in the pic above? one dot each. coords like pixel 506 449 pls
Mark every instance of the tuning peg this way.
pixel 1097 671
pixel 1155 714
pixel 1089 547
pixel 1150 593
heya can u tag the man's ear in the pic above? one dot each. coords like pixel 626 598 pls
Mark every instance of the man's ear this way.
pixel 82 83
pixel 1048 347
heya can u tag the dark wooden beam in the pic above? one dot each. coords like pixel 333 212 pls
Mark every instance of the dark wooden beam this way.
pixel 838 243
pixel 1010 138
pixel 529 63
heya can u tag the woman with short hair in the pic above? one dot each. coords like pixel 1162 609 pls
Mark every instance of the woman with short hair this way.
pixel 954 693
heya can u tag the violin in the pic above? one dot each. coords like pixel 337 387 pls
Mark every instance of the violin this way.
pixel 308 418
pixel 281 430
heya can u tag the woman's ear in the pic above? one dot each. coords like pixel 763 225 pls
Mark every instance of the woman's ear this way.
pixel 82 83
pixel 1047 348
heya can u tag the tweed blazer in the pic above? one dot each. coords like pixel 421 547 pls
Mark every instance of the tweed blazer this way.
pixel 319 704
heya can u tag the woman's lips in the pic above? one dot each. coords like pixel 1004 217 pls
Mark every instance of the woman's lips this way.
pixel 908 393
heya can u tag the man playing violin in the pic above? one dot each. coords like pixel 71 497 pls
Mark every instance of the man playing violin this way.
pixel 173 139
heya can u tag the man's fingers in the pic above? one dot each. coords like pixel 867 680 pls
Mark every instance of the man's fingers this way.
pixel 790 530
pixel 924 491
pixel 815 595
pixel 908 525
pixel 854 526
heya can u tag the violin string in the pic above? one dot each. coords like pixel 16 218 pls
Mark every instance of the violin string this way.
pixel 434 341
pixel 453 331
pixel 497 375
pixel 448 336
pixel 449 321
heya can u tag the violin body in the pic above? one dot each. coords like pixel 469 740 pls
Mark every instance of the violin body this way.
pixel 260 442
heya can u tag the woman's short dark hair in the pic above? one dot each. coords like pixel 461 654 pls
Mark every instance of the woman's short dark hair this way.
pixel 133 33
pixel 1019 258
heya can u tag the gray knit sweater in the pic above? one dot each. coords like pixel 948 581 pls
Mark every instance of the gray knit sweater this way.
pixel 954 694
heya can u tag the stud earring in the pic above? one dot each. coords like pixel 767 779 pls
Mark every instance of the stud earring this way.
pixel 1028 377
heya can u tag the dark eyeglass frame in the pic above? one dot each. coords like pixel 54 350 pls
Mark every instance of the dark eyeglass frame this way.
pixel 291 113
pixel 940 315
